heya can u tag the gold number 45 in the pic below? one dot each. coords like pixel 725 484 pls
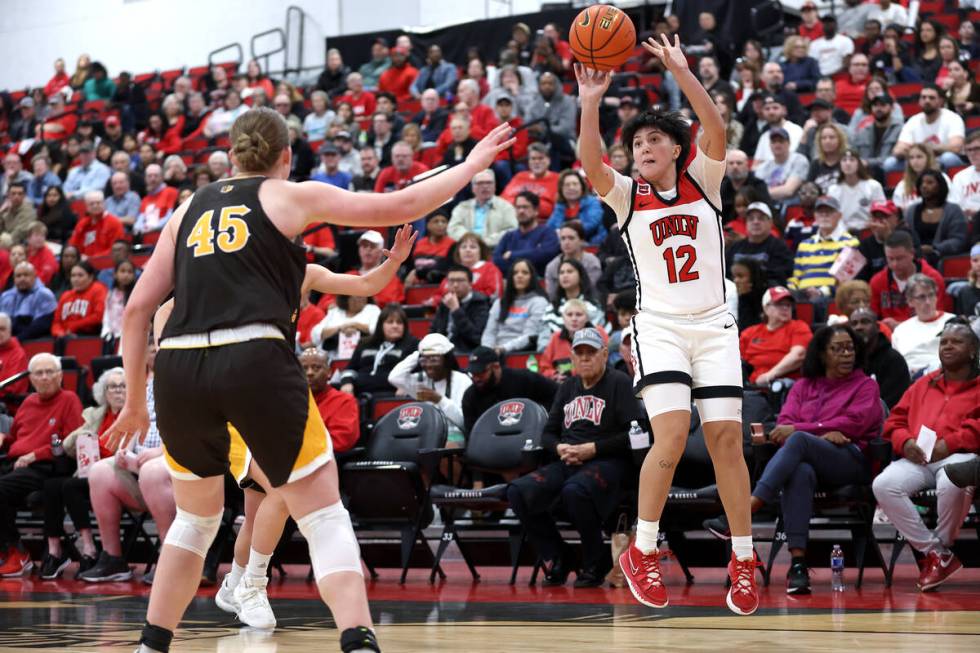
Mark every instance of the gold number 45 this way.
pixel 232 231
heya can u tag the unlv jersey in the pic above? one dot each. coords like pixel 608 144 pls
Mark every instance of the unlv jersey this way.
pixel 675 240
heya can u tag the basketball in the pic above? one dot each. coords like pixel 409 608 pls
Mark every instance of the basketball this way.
pixel 602 37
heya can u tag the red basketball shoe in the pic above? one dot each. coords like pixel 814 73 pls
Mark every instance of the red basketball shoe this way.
pixel 643 576
pixel 743 596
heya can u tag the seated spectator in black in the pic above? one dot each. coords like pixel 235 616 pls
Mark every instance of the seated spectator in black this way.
pixel 823 430
pixel 572 244
pixel 432 374
pixel 70 256
pixel 515 317
pixel 493 383
pixel 968 299
pixel 883 364
pixel 939 224
pixel 462 314
pixel 41 422
pixel 367 180
pixel 830 143
pixel 775 349
pixel 536 242
pixel 738 176
pixel 587 430
pixel 432 118
pixel 461 144
pixel 750 282
pixel 71 493
pixel 333 79
pixel 769 251
pixel 303 160
pixel 616 278
pixel 885 220
pixel 895 61
pixel 430 257
pixel 573 283
pixel 29 304
pixel 555 361
pixel 888 299
pixel 377 354
pixel 624 306
pixel 13 359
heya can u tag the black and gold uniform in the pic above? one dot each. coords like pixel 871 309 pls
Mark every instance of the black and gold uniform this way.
pixel 226 353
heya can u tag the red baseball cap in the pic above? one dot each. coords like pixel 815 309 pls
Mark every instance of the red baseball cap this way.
pixel 111 120
pixel 884 206
pixel 776 294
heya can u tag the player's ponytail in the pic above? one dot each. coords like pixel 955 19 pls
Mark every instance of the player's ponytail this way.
pixel 258 138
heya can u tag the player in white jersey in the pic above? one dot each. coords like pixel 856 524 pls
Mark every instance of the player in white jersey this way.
pixel 685 342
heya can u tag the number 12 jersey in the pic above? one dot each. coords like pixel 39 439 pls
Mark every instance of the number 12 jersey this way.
pixel 675 239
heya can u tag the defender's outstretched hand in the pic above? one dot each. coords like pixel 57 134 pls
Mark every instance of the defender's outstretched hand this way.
pixel 495 142
pixel 592 84
pixel 671 56
pixel 404 241
pixel 130 423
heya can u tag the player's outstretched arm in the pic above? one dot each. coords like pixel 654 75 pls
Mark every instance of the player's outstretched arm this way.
pixel 323 280
pixel 592 85
pixel 713 140
pixel 322 202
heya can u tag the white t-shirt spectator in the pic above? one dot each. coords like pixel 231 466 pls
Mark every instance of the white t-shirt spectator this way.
pixel 896 13
pixel 830 53
pixel 337 316
pixel 948 125
pixel 777 174
pixel 764 153
pixel 966 188
pixel 918 342
pixel 855 202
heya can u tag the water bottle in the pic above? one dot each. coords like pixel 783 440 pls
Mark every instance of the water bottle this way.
pixel 57 447
pixel 837 569
pixel 529 445
pixel 638 437
pixel 532 363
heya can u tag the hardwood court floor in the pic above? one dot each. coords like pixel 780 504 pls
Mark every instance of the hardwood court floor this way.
pixel 492 616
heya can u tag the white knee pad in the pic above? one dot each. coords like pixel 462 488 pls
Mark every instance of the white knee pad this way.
pixel 720 409
pixel 193 532
pixel 333 545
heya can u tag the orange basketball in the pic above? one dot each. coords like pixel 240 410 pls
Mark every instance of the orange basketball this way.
pixel 602 37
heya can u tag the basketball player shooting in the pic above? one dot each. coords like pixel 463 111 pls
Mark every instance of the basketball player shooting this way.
pixel 685 342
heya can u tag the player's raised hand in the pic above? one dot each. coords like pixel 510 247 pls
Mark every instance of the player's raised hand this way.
pixel 592 83
pixel 671 56
pixel 496 141
pixel 404 241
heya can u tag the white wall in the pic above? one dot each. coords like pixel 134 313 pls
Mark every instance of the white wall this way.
pixel 147 35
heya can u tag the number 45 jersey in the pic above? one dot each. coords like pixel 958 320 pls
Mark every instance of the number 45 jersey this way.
pixel 232 265
pixel 675 238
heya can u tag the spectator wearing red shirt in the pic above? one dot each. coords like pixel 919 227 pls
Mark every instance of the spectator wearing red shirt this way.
pixel 888 286
pixel 48 412
pixel 158 205
pixel 80 309
pixel 482 118
pixel 59 80
pixel 172 141
pixel 775 348
pixel 398 77
pixel 472 252
pixel 97 230
pixel 13 358
pixel 38 253
pixel 320 244
pixel 850 89
pixel 401 171
pixel 562 48
pixel 362 102
pixel 503 167
pixel 310 315
pixel 59 124
pixel 430 258
pixel 369 247
pixel 539 179
pixel 339 410
pixel 811 28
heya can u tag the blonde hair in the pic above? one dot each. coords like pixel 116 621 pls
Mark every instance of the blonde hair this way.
pixel 575 303
pixel 790 43
pixel 258 138
pixel 841 141
pixel 911 177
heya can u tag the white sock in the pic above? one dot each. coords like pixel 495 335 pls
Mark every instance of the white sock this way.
pixel 258 563
pixel 235 576
pixel 647 533
pixel 742 546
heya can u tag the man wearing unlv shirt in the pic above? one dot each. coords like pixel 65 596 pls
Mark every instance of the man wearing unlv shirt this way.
pixel 588 430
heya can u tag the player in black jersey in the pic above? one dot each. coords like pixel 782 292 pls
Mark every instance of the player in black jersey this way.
pixel 226 357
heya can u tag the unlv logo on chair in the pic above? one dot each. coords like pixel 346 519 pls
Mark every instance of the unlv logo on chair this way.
pixel 510 413
pixel 409 417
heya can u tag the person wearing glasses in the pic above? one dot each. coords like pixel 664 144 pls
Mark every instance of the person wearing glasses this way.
pixel 917 338
pixel 823 430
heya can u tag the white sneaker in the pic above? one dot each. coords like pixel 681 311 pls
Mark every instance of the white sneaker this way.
pixel 254 609
pixel 225 598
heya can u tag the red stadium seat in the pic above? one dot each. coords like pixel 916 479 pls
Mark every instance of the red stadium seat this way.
pixel 950 21
pixel 910 108
pixel 103 262
pixel 893 179
pixel 419 327
pixel 338 364
pixel 84 349
pixel 518 360
pixel 169 76
pixel 140 260
pixel 955 267
pixel 415 295
pixel 40 346
pixel 906 90
pixel 804 311
pixel 463 360
pixel 384 406
pixel 973 122
pixel 150 238
pixel 144 78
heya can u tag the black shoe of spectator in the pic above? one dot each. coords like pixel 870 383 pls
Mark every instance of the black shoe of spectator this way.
pixel 557 574
pixel 965 474
pixel 718 526
pixel 108 568
pixel 148 577
pixel 86 563
pixel 589 578
pixel 798 579
pixel 53 567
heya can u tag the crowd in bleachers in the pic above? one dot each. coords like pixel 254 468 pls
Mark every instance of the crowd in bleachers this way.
pixel 852 199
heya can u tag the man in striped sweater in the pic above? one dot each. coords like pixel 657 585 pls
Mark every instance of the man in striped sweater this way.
pixel 811 278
